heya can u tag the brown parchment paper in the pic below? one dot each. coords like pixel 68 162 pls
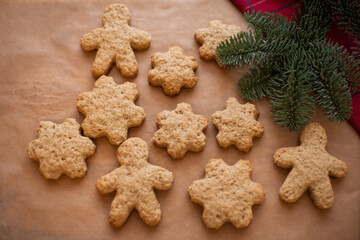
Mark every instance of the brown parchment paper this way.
pixel 43 69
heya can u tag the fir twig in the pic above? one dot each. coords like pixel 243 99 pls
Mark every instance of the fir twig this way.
pixel 294 65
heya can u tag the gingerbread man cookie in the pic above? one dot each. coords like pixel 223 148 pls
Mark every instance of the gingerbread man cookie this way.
pixel 212 36
pixel 172 71
pixel 115 42
pixel 237 125
pixel 226 193
pixel 311 166
pixel 110 110
pixel 61 149
pixel 134 183
pixel 180 131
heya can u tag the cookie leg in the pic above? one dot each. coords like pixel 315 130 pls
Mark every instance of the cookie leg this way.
pixel 120 210
pixel 149 210
pixel 322 193
pixel 240 216
pixel 102 63
pixel 127 64
pixel 293 187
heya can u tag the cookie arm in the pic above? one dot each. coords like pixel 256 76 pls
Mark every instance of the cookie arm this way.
pixel 337 168
pixel 140 40
pixel 163 179
pixel 107 183
pixel 283 157
pixel 91 40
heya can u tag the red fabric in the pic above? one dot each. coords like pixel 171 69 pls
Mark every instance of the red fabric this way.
pixel 286 8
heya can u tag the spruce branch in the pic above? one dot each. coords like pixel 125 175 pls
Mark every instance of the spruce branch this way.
pixel 293 64
pixel 291 99
pixel 255 83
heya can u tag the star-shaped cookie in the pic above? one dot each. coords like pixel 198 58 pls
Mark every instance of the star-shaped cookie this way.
pixel 134 182
pixel 212 36
pixel 110 109
pixel 172 71
pixel 180 131
pixel 60 149
pixel 237 125
pixel 311 166
pixel 115 42
pixel 226 193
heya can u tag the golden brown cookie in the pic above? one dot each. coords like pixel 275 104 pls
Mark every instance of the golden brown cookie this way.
pixel 115 42
pixel 180 131
pixel 172 71
pixel 134 182
pixel 110 109
pixel 60 149
pixel 311 166
pixel 212 36
pixel 237 125
pixel 226 193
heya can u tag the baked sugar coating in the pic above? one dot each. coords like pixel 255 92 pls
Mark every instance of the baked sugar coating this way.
pixel 60 149
pixel 237 125
pixel 134 182
pixel 212 36
pixel 226 193
pixel 180 131
pixel 115 42
pixel 110 109
pixel 172 71
pixel 311 166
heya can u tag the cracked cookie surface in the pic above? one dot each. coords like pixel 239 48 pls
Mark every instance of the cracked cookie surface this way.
pixel 237 125
pixel 110 110
pixel 172 71
pixel 180 131
pixel 226 193
pixel 60 149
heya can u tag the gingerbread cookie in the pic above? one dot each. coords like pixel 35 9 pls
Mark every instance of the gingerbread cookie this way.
pixel 110 110
pixel 212 36
pixel 311 166
pixel 180 131
pixel 134 183
pixel 115 42
pixel 60 149
pixel 172 71
pixel 237 125
pixel 226 193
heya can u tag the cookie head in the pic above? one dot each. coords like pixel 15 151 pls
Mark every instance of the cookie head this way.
pixel 116 13
pixel 134 152
pixel 314 133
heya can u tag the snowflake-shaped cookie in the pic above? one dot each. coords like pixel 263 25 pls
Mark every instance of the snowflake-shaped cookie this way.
pixel 311 166
pixel 61 149
pixel 110 109
pixel 172 71
pixel 226 193
pixel 115 42
pixel 180 131
pixel 237 125
pixel 212 36
pixel 134 183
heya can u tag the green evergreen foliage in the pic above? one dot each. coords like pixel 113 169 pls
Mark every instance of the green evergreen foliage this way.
pixel 294 65
pixel 347 12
